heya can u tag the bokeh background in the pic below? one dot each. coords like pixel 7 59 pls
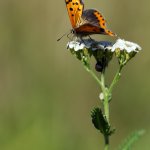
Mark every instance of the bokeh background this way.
pixel 45 94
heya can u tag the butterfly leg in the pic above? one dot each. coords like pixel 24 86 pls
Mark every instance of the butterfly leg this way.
pixel 92 40
pixel 82 40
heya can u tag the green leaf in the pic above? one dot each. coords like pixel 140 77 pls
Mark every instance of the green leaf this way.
pixel 127 144
pixel 100 122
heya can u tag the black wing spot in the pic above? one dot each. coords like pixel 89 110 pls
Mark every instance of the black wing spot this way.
pixel 72 15
pixel 79 9
pixel 76 3
pixel 102 30
pixel 67 2
pixel 71 9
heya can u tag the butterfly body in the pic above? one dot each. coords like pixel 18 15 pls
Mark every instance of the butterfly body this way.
pixel 86 22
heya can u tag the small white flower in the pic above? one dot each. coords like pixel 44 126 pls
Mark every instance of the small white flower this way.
pixel 75 45
pixel 89 44
pixel 126 45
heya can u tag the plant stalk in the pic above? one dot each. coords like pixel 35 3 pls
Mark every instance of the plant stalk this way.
pixel 106 142
pixel 116 79
pixel 105 92
pixel 106 108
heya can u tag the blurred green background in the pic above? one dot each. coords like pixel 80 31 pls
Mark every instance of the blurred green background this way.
pixel 45 94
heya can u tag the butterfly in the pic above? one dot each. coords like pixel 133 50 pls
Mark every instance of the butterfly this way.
pixel 86 22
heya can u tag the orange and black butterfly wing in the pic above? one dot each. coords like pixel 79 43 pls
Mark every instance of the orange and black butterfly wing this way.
pixel 87 29
pixel 93 23
pixel 75 9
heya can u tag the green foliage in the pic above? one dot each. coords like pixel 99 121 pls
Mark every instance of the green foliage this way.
pixel 124 51
pixel 37 88
pixel 127 144
pixel 124 56
pixel 100 122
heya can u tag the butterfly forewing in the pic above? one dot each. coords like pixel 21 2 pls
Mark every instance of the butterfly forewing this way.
pixel 75 9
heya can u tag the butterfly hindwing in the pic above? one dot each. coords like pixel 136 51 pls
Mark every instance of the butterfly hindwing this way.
pixel 89 16
pixel 102 23
pixel 87 29
pixel 75 9
pixel 93 23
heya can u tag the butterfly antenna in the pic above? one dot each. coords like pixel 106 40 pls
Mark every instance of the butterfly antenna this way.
pixel 63 36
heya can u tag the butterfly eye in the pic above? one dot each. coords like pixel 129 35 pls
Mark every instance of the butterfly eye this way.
pixel 72 31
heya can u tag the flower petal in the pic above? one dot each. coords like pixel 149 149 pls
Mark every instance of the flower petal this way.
pixel 126 45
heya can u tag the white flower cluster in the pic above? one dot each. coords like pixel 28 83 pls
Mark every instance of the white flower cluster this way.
pixel 91 44
pixel 75 45
pixel 126 45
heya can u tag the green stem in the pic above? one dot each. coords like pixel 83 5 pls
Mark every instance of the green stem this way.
pixel 106 112
pixel 96 78
pixel 106 147
pixel 115 80
pixel 106 108
pixel 106 99
pixel 105 92
pixel 106 142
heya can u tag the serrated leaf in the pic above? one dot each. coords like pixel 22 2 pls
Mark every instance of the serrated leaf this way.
pixel 100 121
